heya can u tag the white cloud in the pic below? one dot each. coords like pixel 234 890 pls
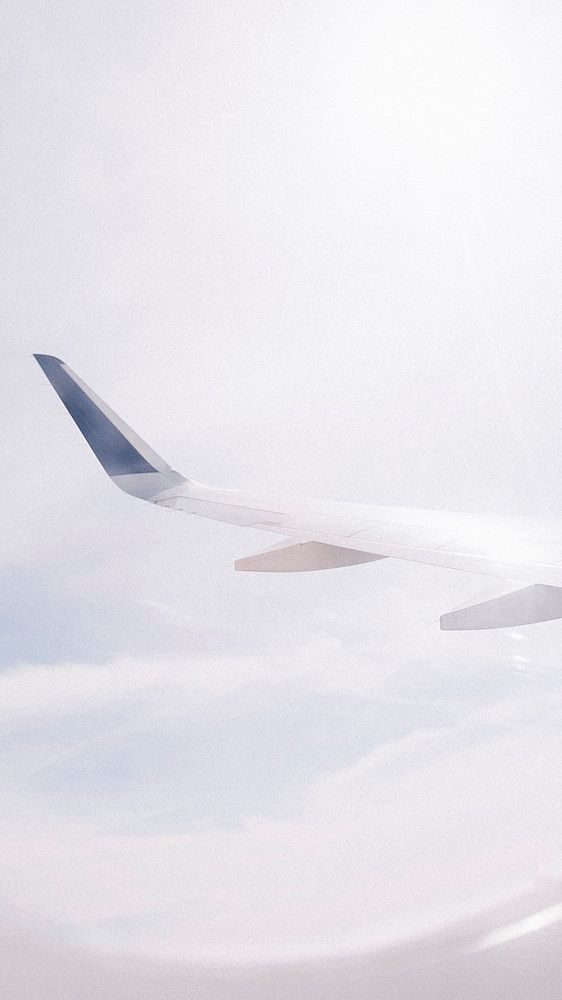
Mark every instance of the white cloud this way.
pixel 42 692
pixel 421 828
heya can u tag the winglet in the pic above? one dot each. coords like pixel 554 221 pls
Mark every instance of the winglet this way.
pixel 128 460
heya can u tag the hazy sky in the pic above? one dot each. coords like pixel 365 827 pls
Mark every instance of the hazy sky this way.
pixel 304 248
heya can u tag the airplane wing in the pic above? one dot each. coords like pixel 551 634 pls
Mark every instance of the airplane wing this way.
pixel 322 535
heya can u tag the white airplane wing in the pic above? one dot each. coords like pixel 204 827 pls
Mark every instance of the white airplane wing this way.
pixel 320 535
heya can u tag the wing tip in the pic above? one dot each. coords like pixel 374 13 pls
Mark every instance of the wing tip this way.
pixel 46 360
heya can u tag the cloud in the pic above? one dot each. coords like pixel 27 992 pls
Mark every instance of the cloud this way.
pixel 36 961
pixel 32 692
pixel 187 807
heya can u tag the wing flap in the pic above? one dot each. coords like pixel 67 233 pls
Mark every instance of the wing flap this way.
pixel 303 557
pixel 536 603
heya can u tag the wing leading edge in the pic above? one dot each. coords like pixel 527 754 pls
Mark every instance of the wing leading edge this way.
pixel 327 536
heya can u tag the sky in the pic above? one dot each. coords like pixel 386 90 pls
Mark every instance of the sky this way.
pixel 306 249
